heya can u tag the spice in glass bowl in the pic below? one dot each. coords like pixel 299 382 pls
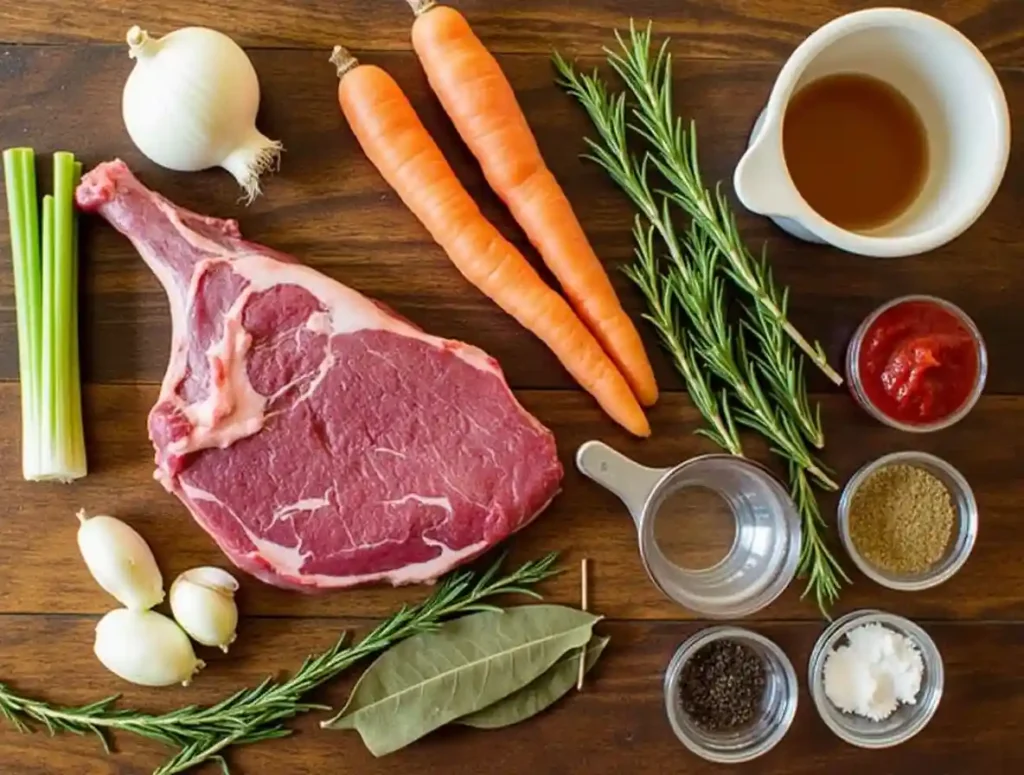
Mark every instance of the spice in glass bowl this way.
pixel 877 670
pixel 722 686
pixel 901 518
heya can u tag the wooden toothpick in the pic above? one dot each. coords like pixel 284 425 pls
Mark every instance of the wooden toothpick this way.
pixel 583 601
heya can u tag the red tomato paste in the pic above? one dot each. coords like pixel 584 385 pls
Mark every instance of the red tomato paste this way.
pixel 918 363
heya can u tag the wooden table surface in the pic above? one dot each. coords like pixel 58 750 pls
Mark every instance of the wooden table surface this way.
pixel 62 66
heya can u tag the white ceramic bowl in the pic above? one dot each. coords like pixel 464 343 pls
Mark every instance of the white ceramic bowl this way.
pixel 953 88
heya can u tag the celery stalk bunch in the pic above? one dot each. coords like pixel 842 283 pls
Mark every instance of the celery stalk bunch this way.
pixel 44 250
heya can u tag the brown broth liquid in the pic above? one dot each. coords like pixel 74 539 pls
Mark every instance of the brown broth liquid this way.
pixel 856 150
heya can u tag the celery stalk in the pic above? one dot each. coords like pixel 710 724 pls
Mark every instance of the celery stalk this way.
pixel 46 279
pixel 66 439
pixel 76 367
pixel 47 416
pixel 20 178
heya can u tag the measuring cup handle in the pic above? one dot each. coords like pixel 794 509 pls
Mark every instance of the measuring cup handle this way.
pixel 632 482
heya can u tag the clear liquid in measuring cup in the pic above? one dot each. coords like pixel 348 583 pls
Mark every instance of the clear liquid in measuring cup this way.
pixel 694 528
pixel 718 534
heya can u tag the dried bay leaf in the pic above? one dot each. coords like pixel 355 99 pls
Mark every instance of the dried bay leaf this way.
pixel 428 680
pixel 540 693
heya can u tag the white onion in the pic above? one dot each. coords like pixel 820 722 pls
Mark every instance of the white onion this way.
pixel 145 648
pixel 190 103
pixel 121 561
pixel 203 603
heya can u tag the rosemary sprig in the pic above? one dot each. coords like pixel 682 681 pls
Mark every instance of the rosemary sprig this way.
pixel 664 316
pixel 817 563
pixel 675 156
pixel 257 714
pixel 697 285
pixel 691 278
pixel 701 288
pixel 691 281
pixel 650 82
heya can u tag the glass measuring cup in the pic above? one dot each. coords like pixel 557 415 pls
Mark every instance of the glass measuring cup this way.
pixel 766 548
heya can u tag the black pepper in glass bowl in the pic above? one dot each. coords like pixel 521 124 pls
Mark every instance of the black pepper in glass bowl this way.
pixel 722 685
pixel 730 694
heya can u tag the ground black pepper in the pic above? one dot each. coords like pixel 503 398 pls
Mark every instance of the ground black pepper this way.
pixel 722 686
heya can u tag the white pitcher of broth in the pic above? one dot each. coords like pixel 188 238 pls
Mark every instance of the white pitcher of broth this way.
pixel 887 133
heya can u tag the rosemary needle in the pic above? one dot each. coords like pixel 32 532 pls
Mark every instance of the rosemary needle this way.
pixel 252 715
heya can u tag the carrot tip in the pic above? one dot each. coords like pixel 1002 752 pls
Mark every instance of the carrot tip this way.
pixel 647 396
pixel 343 60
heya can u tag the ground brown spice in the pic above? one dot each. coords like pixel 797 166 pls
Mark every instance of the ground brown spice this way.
pixel 901 518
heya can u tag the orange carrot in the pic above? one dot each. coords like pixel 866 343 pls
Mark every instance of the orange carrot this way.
pixel 399 146
pixel 483 107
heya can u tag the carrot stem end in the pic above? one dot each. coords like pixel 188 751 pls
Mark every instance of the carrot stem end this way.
pixel 343 60
pixel 420 7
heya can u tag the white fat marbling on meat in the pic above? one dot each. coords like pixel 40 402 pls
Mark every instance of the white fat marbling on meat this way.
pixel 424 500
pixel 285 561
pixel 288 560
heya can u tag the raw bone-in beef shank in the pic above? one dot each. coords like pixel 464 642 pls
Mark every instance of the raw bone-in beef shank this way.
pixel 321 440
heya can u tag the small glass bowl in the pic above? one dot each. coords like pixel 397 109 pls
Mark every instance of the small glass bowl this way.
pixel 965 528
pixel 765 552
pixel 777 710
pixel 853 376
pixel 907 720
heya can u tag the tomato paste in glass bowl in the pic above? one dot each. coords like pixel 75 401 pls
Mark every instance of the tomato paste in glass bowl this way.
pixel 917 363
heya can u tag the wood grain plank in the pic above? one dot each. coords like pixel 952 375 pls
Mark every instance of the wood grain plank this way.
pixel 737 29
pixel 37 525
pixel 617 724
pixel 330 207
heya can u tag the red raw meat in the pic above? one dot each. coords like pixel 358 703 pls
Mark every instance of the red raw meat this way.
pixel 320 439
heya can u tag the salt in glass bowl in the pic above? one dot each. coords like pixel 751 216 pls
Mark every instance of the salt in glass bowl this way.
pixel 908 719
pixel 778 707
pixel 964 531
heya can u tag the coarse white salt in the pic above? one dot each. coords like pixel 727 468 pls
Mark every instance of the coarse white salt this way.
pixel 874 672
